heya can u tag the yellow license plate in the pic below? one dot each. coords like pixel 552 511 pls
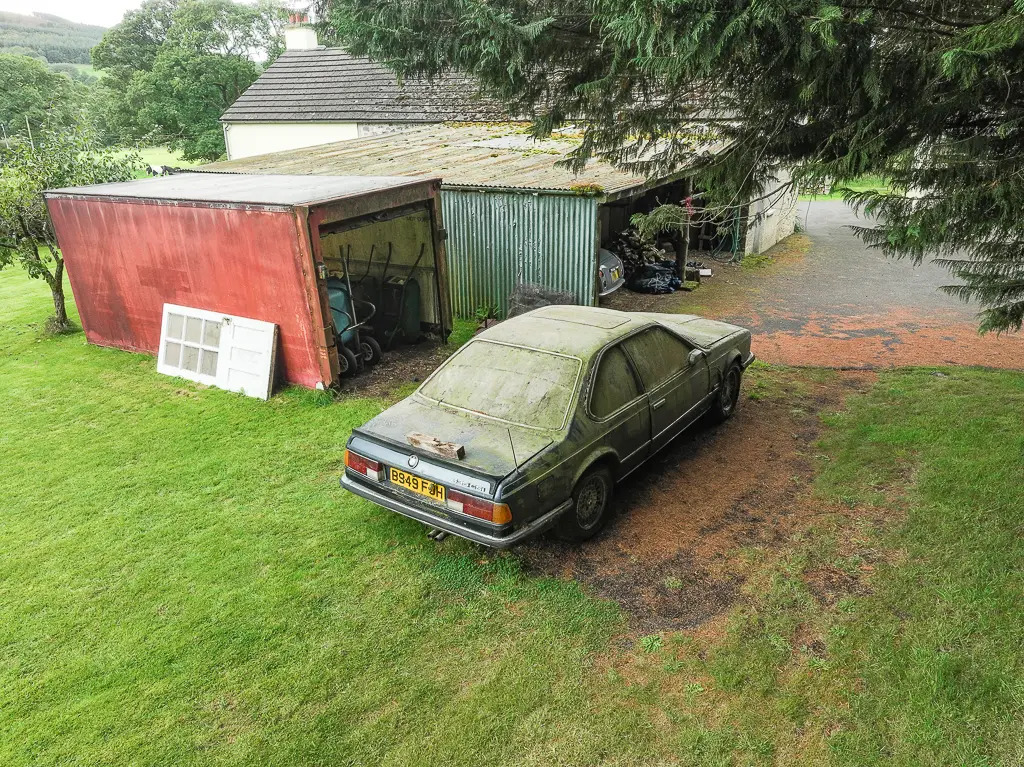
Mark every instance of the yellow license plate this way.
pixel 615 274
pixel 419 485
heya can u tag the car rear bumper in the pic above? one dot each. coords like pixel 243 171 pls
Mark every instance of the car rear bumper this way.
pixel 746 363
pixel 608 289
pixel 428 517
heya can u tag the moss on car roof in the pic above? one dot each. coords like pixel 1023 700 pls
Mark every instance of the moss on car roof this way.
pixel 576 330
pixel 581 331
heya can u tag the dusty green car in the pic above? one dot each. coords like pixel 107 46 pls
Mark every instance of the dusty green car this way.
pixel 532 423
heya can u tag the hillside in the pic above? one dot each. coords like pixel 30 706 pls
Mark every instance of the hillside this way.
pixel 57 39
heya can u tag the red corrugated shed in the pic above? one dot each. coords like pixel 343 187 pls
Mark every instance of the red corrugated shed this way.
pixel 125 261
pixel 234 244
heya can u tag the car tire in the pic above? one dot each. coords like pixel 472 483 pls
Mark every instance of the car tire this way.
pixel 347 361
pixel 728 398
pixel 591 499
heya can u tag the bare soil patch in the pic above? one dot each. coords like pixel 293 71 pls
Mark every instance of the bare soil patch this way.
pixel 397 367
pixel 674 554
pixel 830 584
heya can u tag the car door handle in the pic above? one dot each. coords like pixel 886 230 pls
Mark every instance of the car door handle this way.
pixel 659 403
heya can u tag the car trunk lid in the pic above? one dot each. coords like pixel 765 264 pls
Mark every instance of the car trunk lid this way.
pixel 488 443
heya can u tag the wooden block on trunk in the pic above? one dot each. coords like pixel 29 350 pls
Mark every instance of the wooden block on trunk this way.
pixel 436 446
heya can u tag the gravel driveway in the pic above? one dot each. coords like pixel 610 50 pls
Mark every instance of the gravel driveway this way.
pixel 828 300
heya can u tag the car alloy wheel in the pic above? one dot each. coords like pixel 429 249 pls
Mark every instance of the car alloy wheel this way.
pixel 593 497
pixel 731 391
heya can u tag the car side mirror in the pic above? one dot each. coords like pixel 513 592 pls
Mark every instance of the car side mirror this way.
pixel 694 357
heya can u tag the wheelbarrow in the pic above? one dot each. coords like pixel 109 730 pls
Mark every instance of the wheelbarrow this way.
pixel 356 347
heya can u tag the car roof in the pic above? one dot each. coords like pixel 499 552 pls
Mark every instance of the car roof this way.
pixel 580 331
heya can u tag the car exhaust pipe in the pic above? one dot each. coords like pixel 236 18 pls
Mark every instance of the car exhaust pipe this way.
pixel 437 535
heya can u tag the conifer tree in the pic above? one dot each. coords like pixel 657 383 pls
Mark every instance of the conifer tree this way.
pixel 928 94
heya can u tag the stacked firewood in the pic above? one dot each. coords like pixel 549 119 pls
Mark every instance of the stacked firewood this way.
pixel 635 252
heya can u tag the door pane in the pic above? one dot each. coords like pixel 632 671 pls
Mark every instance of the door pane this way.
pixel 208 363
pixel 190 358
pixel 614 384
pixel 657 354
pixel 193 329
pixel 175 324
pixel 211 333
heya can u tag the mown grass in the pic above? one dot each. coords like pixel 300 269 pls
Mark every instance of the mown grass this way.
pixel 938 649
pixel 921 489
pixel 161 155
pixel 867 183
pixel 183 582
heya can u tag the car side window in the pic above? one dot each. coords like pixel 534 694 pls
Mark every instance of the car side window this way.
pixel 657 354
pixel 614 384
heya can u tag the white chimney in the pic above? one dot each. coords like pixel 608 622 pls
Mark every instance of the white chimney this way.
pixel 299 36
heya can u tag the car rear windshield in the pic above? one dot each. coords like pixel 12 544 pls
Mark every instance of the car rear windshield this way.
pixel 524 386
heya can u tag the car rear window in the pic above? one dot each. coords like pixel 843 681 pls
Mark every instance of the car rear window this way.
pixel 524 386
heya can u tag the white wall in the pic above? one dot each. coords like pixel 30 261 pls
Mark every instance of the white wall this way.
pixel 245 139
pixel 773 219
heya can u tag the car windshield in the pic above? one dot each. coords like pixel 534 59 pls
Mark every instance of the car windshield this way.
pixel 524 386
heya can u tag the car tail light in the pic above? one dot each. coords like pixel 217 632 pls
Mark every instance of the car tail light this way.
pixel 370 468
pixel 499 513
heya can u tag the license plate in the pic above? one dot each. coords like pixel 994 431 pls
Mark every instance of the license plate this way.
pixel 615 274
pixel 419 485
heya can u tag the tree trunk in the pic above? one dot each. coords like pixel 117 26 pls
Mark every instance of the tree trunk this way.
pixel 60 310
pixel 683 253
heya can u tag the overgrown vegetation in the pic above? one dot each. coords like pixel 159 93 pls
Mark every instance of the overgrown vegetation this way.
pixel 919 92
pixel 190 586
pixel 487 311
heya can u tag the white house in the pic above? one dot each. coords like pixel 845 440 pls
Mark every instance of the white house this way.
pixel 316 95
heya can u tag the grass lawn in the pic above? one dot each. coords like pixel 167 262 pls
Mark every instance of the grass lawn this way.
pixel 863 184
pixel 161 155
pixel 89 69
pixel 183 582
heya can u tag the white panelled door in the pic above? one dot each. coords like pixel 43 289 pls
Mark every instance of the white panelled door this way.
pixel 222 350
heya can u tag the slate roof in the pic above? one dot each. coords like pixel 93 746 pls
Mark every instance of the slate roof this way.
pixel 492 156
pixel 328 84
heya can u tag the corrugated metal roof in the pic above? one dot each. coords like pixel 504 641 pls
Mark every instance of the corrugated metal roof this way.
pixel 496 156
pixel 285 190
pixel 328 84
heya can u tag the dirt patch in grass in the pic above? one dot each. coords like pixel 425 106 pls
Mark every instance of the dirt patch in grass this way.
pixel 676 554
pixel 830 584
pixel 397 368
pixel 680 591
